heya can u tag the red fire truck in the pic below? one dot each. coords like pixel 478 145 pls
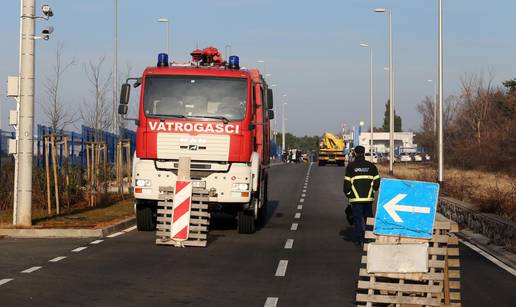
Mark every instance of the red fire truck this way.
pixel 213 112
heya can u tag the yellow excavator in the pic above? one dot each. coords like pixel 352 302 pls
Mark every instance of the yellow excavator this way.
pixel 331 150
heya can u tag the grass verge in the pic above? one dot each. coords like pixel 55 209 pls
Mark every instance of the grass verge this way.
pixel 491 192
pixel 97 217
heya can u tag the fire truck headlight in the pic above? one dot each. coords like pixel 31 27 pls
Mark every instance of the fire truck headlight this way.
pixel 143 183
pixel 240 187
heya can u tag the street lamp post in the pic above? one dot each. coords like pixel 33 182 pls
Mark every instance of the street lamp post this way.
pixel 283 125
pixel 371 98
pixel 391 93
pixel 165 20
pixel 440 89
pixel 115 66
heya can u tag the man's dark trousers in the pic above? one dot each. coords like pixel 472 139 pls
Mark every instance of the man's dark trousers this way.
pixel 361 211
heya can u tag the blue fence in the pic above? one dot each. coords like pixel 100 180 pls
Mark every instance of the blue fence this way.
pixel 77 143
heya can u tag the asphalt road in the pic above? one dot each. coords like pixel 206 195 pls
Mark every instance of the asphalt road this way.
pixel 320 268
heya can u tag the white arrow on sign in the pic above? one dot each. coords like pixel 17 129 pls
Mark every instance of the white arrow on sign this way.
pixel 392 206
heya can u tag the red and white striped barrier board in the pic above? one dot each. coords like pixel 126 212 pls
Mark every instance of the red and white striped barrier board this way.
pixel 181 212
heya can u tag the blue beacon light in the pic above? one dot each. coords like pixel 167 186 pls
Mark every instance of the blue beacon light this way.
pixel 234 62
pixel 162 60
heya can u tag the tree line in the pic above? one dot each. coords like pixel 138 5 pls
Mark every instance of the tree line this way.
pixel 479 125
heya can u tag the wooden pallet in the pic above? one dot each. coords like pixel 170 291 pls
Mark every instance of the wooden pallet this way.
pixel 440 286
pixel 199 219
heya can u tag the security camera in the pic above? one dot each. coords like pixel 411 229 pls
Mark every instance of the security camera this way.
pixel 45 8
pixel 47 31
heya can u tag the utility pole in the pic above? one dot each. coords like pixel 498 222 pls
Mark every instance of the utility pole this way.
pixel 283 125
pixel 25 133
pixel 440 86
pixel 115 67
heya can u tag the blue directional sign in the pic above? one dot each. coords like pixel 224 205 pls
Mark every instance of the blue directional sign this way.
pixel 406 208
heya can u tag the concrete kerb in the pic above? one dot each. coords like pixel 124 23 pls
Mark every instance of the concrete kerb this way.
pixel 68 232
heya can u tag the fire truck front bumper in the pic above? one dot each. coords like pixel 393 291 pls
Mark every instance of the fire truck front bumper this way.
pixel 226 183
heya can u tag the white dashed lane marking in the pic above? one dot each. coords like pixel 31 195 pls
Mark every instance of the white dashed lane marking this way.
pixel 96 241
pixel 271 302
pixel 294 226
pixel 56 259
pixel 6 280
pixel 116 234
pixel 302 200
pixel 79 249
pixel 129 229
pixel 282 268
pixel 299 207
pixel 303 195
pixel 30 270
pixel 297 215
pixel 304 191
pixel 289 244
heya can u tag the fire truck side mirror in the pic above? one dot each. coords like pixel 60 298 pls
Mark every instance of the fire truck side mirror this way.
pixel 124 94
pixel 251 126
pixel 270 103
pixel 122 109
pixel 270 114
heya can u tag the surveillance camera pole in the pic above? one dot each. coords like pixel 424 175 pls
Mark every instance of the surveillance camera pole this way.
pixel 25 129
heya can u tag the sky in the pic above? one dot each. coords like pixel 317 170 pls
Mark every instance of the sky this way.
pixel 310 48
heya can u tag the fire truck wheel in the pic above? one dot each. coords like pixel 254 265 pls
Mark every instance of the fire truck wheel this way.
pixel 145 217
pixel 246 221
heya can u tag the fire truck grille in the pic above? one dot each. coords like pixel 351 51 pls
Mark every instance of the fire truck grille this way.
pixel 202 147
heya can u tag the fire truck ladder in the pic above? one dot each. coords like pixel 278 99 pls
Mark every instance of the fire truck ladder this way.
pixel 199 219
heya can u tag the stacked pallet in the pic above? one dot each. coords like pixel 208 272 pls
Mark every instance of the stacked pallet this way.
pixel 199 219
pixel 440 286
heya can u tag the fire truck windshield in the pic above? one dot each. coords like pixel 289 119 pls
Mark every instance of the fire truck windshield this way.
pixel 194 96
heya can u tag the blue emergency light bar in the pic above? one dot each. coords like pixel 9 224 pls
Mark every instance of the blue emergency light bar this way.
pixel 234 62
pixel 162 60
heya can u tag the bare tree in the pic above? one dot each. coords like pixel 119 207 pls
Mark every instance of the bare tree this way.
pixel 56 114
pixel 97 112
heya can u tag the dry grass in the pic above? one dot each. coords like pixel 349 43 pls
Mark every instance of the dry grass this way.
pixel 79 218
pixel 491 192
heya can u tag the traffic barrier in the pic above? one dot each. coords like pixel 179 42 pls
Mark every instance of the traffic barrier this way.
pixel 182 216
pixel 439 286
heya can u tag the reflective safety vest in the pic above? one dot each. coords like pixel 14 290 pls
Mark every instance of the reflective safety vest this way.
pixel 361 180
pixel 355 196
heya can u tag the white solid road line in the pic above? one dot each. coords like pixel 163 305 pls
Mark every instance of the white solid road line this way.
pixel 6 280
pixel 79 249
pixel 30 270
pixel 299 207
pixel 56 259
pixel 96 241
pixel 116 234
pixel 271 302
pixel 129 229
pixel 489 257
pixel 289 243
pixel 297 215
pixel 282 268
pixel 294 226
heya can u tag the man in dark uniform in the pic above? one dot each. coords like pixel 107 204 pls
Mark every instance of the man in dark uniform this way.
pixel 361 181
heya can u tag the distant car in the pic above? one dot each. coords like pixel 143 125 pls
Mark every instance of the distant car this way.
pixel 417 157
pixel 405 157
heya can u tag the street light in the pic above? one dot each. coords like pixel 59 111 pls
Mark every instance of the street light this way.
pixel 440 87
pixel 391 93
pixel 115 67
pixel 371 97
pixel 165 20
pixel 228 51
pixel 283 124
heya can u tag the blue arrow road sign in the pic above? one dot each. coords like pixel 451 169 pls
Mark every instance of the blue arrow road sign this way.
pixel 406 208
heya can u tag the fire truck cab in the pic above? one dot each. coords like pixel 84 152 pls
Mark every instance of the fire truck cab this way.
pixel 213 112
